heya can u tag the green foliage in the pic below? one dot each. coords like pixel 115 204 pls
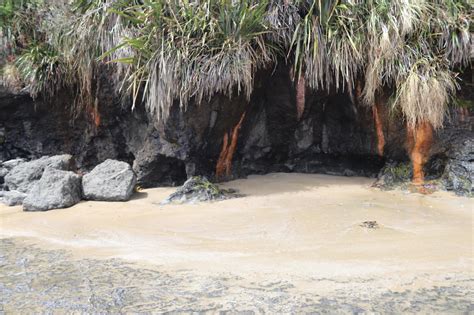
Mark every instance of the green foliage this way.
pixel 182 50
pixel 409 46
pixel 41 68
pixel 187 50
pixel 16 23
pixel 17 29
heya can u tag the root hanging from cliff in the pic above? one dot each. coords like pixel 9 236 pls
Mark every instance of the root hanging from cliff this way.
pixel 376 109
pixel 224 163
pixel 419 141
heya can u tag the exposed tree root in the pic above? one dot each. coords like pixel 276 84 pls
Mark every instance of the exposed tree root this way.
pixel 300 96
pixel 419 141
pixel 224 163
pixel 379 125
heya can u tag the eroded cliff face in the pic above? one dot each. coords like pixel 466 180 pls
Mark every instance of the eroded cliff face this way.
pixel 334 135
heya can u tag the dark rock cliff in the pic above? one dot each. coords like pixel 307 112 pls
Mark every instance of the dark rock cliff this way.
pixel 335 135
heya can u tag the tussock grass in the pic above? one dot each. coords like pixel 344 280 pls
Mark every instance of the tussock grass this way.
pixel 189 50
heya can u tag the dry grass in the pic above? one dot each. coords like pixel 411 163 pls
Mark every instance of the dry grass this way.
pixel 181 51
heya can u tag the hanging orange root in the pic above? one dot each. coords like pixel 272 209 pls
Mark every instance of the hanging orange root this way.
pixel 224 163
pixel 419 141
pixel 379 126
pixel 300 96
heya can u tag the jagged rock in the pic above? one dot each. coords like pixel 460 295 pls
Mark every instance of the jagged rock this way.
pixel 56 189
pixel 23 176
pixel 459 172
pixel 303 136
pixel 12 198
pixel 109 181
pixel 197 189
pixel 152 165
pixel 335 135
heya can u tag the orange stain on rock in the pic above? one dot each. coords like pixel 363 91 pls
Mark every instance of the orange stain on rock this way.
pixel 94 115
pixel 224 163
pixel 419 141
pixel 379 126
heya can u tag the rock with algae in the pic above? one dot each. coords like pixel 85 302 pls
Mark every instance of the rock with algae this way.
pixel 198 189
pixel 394 174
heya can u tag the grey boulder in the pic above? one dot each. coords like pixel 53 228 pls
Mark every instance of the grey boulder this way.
pixel 109 181
pixel 56 189
pixel 12 198
pixel 23 176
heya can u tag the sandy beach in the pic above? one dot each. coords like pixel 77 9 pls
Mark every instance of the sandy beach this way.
pixel 299 233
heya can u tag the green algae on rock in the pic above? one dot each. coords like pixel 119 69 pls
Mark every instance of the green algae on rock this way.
pixel 198 189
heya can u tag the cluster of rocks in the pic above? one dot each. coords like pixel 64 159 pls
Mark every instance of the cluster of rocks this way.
pixel 52 183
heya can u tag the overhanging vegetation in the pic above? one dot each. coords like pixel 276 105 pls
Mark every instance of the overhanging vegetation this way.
pixel 165 51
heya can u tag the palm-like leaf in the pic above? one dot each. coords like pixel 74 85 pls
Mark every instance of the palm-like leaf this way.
pixel 182 50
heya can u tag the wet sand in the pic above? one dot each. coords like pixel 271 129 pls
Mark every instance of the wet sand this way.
pixel 298 234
